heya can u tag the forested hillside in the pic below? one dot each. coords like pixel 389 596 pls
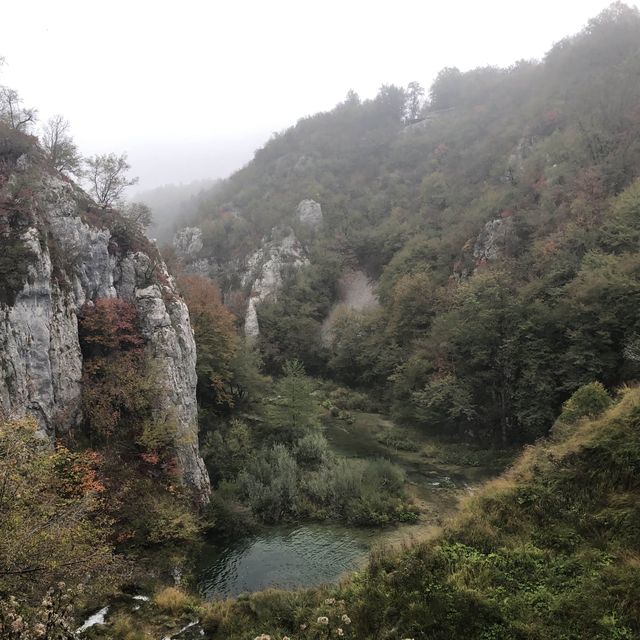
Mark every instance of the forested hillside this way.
pixel 499 222
pixel 393 303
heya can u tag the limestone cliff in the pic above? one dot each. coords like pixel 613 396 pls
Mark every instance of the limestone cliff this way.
pixel 66 257
pixel 309 213
pixel 266 270
pixel 259 275
pixel 496 240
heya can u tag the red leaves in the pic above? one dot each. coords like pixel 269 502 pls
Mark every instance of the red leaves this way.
pixel 110 325
pixel 151 458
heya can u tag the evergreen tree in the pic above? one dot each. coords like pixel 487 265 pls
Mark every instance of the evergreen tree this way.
pixel 293 411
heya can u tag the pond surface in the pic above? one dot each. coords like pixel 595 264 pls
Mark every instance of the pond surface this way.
pixel 286 557
pixel 308 555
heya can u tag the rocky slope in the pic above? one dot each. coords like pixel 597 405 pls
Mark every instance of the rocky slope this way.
pixel 260 275
pixel 69 258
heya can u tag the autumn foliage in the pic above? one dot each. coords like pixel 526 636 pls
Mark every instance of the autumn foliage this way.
pixel 51 521
pixel 126 421
pixel 216 338
pixel 109 324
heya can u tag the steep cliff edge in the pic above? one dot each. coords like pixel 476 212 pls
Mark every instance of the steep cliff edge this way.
pixel 61 253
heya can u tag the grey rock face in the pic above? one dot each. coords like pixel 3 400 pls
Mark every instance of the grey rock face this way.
pixel 188 241
pixel 492 240
pixel 519 155
pixel 40 356
pixel 309 212
pixel 251 325
pixel 495 240
pixel 40 361
pixel 265 272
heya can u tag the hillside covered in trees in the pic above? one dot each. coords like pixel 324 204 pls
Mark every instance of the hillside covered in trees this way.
pixel 393 302
pixel 498 220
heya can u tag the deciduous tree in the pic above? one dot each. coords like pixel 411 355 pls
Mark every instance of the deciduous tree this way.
pixel 59 145
pixel 107 178
pixel 13 112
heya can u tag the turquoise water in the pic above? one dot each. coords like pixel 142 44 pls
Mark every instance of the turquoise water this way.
pixel 286 557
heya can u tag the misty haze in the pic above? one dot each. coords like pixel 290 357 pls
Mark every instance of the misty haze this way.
pixel 319 321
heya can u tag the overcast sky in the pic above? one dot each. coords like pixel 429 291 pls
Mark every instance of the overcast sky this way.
pixel 191 87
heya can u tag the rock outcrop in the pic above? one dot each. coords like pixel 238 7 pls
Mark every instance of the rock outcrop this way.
pixel 73 262
pixel 492 240
pixel 188 242
pixel 266 270
pixel 309 213
pixel 261 274
pixel 519 155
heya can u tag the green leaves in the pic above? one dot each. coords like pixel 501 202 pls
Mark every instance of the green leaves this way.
pixel 292 410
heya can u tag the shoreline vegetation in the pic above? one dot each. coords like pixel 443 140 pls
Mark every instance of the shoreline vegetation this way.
pixel 522 538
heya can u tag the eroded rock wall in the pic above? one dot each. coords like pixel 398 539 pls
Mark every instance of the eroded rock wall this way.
pixel 71 263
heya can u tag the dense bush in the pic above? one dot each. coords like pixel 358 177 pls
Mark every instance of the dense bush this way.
pixel 590 401
pixel 309 482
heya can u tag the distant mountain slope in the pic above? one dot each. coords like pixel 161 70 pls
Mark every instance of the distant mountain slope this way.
pixel 501 229
pixel 171 204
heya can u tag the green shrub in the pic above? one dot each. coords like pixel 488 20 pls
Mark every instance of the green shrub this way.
pixel 398 440
pixel 270 485
pixel 590 400
pixel 384 476
pixel 351 400
pixel 226 512
pixel 226 450
pixel 312 449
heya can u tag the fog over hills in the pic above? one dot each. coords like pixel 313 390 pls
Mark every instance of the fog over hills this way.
pixel 191 90
pixel 357 357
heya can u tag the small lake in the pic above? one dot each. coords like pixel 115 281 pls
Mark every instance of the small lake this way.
pixel 308 555
pixel 286 557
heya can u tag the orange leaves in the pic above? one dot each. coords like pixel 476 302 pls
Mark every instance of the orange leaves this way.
pixel 216 339
pixel 78 473
pixel 151 458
